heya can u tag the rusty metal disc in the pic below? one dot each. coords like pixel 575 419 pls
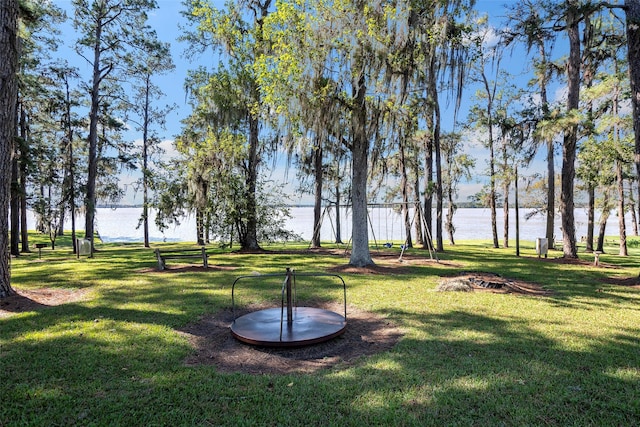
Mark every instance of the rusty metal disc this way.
pixel 269 327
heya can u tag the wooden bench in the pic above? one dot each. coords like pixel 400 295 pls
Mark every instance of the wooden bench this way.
pixel 163 256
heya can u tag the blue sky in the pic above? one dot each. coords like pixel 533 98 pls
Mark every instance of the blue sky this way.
pixel 166 20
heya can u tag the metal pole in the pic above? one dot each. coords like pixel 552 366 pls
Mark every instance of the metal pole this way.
pixel 289 305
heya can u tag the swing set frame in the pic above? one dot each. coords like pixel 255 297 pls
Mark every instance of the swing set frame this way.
pixel 432 253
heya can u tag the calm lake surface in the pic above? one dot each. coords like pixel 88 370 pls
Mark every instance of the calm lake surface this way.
pixel 119 225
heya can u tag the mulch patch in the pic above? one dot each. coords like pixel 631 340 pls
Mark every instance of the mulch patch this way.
pixel 366 334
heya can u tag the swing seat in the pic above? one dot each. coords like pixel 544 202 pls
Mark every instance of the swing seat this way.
pixel 388 245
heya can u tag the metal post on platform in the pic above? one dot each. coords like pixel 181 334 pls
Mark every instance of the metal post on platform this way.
pixel 289 293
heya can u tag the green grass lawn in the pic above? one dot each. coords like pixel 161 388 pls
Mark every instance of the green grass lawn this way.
pixel 114 357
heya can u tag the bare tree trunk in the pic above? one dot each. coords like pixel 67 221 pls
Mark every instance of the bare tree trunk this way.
pixel 567 205
pixel 360 254
pixel 250 238
pixel 505 209
pixel 428 152
pixel 551 173
pixel 317 204
pixel 606 209
pixel 92 174
pixel 338 221
pixel 551 193
pixel 492 162
pixel 23 211
pixel 200 226
pixel 428 190
pixel 61 220
pixel 591 217
pixel 16 165
pixel 632 209
pixel 404 190
pixel 438 161
pixel 8 99
pixel 145 162
pixel 492 190
pixel 621 222
pixel 633 55
pixel 450 211
pixel 619 178
pixel 517 209
pixel 417 216
pixel 15 200
pixel 70 178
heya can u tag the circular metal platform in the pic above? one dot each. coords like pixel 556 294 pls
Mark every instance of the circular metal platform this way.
pixel 269 327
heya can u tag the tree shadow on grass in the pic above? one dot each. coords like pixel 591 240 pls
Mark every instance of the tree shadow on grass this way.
pixel 482 370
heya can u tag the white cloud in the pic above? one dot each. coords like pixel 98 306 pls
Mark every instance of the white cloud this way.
pixel 169 149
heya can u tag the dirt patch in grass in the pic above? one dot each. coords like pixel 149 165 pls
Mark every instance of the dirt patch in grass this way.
pixel 490 282
pixel 366 334
pixel 631 282
pixel 388 263
pixel 38 299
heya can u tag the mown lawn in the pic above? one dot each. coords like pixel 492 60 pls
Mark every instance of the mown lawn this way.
pixel 114 357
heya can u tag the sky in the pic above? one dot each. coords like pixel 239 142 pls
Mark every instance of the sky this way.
pixel 166 20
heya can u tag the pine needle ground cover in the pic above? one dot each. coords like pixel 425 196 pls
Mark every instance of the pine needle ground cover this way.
pixel 110 341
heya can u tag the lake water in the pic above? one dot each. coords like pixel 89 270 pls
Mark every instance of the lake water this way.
pixel 119 225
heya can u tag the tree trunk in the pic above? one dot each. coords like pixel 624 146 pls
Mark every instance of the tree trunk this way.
pixel 317 203
pixel 428 188
pixel 505 190
pixel 450 211
pixel 505 210
pixel 62 211
pixel 551 193
pixel 70 178
pixel 92 170
pixel 606 209
pixel 632 208
pixel 199 227
pixel 621 222
pixel 8 99
pixel 551 173
pixel 15 199
pixel 404 190
pixel 338 222
pixel 145 162
pixel 17 162
pixel 492 162
pixel 438 162
pixel 633 55
pixel 417 216
pixel 570 136
pixel 428 151
pixel 250 238
pixel 619 176
pixel 23 211
pixel 591 217
pixel 517 209
pixel 360 254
